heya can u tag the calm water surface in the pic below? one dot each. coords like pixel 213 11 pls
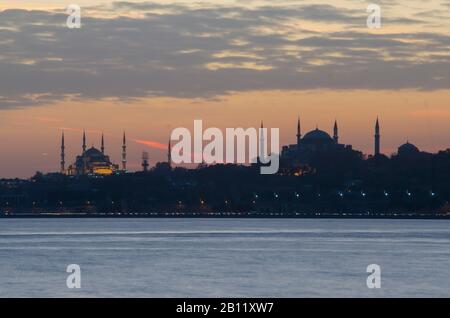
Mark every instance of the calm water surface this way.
pixel 224 257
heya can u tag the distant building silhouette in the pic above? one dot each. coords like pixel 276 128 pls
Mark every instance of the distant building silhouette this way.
pixel 408 151
pixel 335 134
pixel 91 161
pixel 169 155
pixel 377 138
pixel 165 166
pixel 314 143
pixel 103 145
pixel 63 155
pixel 145 163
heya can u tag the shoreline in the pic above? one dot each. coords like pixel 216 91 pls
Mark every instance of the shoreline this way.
pixel 224 216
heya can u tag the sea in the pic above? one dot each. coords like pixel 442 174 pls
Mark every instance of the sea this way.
pixel 190 258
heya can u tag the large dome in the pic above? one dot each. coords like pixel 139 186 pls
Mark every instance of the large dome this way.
pixel 317 135
pixel 94 152
pixel 408 149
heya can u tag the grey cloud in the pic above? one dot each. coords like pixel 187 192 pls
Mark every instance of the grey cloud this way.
pixel 166 54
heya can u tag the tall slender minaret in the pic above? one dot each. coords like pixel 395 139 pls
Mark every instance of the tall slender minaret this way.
pixel 84 152
pixel 299 134
pixel 63 155
pixel 145 161
pixel 124 153
pixel 84 142
pixel 169 154
pixel 377 138
pixel 336 135
pixel 103 145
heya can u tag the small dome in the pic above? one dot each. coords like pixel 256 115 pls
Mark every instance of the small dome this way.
pixel 317 135
pixel 407 149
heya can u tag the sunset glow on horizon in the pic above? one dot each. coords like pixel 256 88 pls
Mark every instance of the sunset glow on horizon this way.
pixel 147 67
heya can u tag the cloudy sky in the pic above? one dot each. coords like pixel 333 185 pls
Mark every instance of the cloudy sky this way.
pixel 150 66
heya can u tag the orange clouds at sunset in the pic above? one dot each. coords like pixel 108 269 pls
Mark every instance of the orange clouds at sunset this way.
pixel 151 144
pixel 147 67
pixel 417 116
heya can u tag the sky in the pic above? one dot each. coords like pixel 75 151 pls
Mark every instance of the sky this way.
pixel 147 67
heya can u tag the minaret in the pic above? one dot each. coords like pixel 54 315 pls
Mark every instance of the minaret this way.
pixel 84 142
pixel 336 135
pixel 377 138
pixel 169 154
pixel 103 145
pixel 145 161
pixel 299 134
pixel 124 153
pixel 84 153
pixel 63 148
